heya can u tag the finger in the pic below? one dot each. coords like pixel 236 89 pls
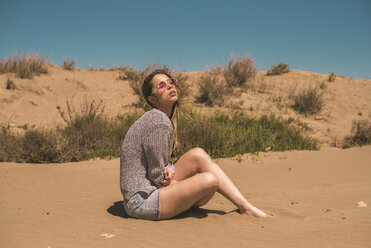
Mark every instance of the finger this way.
pixel 165 181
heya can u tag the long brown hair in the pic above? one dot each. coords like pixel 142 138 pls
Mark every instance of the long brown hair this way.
pixel 147 91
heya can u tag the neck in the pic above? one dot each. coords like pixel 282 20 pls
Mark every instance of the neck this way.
pixel 167 110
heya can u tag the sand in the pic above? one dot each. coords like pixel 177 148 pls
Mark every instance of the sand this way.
pixel 313 196
pixel 317 198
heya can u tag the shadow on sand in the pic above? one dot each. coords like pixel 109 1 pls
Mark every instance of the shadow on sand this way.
pixel 117 209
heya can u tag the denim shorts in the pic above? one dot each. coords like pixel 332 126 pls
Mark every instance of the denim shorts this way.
pixel 142 207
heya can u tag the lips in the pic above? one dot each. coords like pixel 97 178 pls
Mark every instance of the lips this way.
pixel 172 93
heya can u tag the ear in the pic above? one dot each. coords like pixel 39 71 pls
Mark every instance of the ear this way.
pixel 153 100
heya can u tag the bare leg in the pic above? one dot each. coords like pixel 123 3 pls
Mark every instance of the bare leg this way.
pixel 176 198
pixel 198 161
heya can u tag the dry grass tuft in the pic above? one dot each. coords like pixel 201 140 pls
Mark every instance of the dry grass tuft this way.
pixel 25 66
pixel 308 100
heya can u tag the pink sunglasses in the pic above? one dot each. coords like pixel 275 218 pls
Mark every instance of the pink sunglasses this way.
pixel 163 84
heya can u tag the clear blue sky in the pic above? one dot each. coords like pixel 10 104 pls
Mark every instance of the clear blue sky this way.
pixel 316 35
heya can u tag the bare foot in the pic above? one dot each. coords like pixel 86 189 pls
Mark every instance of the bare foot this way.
pixel 252 211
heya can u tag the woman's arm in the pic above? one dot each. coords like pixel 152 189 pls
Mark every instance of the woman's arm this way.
pixel 157 149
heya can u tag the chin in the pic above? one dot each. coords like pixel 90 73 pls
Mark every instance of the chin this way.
pixel 174 99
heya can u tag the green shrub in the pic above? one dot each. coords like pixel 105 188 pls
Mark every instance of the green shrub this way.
pixel 360 134
pixel 10 85
pixel 223 136
pixel 278 69
pixel 239 70
pixel 308 100
pixel 68 64
pixel 25 66
pixel 331 76
pixel 90 134
pixel 212 87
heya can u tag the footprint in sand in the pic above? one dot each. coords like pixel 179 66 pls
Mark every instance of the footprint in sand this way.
pixel 280 212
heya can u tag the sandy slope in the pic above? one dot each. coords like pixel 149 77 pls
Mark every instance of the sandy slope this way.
pixel 312 195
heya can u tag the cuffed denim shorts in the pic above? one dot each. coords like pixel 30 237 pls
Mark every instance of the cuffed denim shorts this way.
pixel 142 207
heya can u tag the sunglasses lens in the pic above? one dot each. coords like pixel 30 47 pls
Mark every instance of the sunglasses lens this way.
pixel 162 85
pixel 173 81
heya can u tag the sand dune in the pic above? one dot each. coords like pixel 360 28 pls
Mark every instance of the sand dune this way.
pixel 312 196
pixel 34 101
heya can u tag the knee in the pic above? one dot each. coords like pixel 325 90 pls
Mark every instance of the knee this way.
pixel 210 180
pixel 199 154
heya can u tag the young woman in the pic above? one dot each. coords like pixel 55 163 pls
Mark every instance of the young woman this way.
pixel 153 188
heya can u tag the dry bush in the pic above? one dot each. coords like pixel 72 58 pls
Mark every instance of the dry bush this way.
pixel 68 64
pixel 239 70
pixel 25 66
pixel 360 134
pixel 88 107
pixel 278 69
pixel 331 76
pixel 308 100
pixel 212 87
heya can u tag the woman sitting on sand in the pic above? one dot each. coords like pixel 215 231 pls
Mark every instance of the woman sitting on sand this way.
pixel 153 188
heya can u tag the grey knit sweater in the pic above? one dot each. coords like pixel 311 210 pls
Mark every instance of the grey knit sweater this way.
pixel 145 153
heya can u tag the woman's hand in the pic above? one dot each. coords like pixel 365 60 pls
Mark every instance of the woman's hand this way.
pixel 168 177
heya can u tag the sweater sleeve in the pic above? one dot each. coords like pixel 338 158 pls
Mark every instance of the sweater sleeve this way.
pixel 156 146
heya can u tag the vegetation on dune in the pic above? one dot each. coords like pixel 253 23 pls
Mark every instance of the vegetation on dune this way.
pixel 212 87
pixel 223 136
pixel 10 85
pixel 239 70
pixel 26 65
pixel 89 133
pixel 278 69
pixel 219 82
pixel 68 64
pixel 307 100
pixel 331 76
pixel 323 85
pixel 360 134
